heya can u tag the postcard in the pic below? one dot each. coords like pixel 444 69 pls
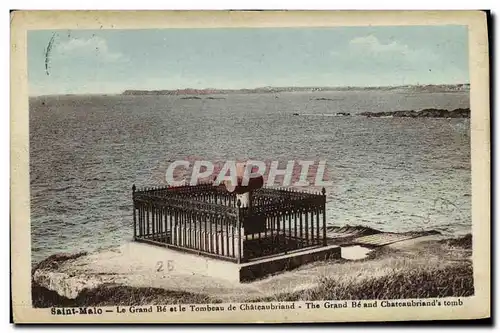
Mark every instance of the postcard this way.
pixel 249 166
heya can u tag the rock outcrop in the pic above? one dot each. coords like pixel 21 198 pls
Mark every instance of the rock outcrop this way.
pixel 425 113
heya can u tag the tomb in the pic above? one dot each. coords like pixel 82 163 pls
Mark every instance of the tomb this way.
pixel 260 230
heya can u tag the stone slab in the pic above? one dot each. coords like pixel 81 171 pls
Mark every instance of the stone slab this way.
pixel 268 266
pixel 386 238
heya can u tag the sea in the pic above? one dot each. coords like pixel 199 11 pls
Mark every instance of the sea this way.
pixel 390 174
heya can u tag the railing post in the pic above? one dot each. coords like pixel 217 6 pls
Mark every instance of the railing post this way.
pixel 323 191
pixel 133 208
pixel 238 219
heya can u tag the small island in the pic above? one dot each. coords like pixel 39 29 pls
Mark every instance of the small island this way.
pixel 425 113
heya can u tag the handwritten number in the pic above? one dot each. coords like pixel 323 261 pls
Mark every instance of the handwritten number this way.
pixel 170 266
pixel 159 267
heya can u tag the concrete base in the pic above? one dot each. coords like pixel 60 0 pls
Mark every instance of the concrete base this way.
pixel 249 271
pixel 187 263
pixel 264 267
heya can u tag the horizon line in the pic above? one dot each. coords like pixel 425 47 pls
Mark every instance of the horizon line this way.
pixel 255 88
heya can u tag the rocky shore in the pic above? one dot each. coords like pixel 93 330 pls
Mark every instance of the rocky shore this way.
pixel 425 113
pixel 430 266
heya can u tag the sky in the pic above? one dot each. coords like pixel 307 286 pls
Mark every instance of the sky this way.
pixel 111 61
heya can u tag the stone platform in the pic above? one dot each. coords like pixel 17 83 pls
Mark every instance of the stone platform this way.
pixel 190 264
pixel 137 264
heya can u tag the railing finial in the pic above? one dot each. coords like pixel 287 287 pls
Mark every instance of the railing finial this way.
pixel 133 188
pixel 323 191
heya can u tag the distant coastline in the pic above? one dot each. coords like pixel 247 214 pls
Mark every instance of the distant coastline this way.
pixel 212 91
pixel 407 89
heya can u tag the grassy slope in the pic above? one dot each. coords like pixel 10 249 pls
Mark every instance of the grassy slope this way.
pixel 404 283
pixel 428 269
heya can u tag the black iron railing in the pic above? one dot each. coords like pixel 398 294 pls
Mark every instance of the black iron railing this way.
pixel 208 220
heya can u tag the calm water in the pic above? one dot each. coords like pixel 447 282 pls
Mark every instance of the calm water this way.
pixel 388 173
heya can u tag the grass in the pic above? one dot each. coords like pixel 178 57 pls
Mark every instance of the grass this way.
pixel 464 242
pixel 407 283
pixel 430 269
